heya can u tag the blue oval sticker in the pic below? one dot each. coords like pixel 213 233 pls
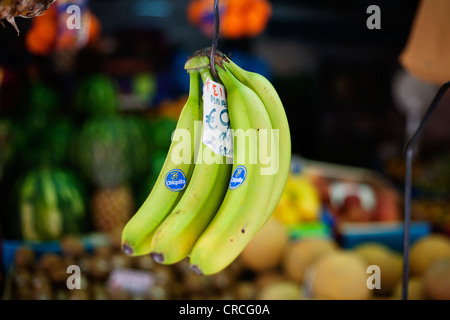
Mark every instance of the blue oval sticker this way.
pixel 238 177
pixel 175 180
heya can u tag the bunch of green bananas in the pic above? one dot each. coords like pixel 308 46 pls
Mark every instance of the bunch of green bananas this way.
pixel 205 216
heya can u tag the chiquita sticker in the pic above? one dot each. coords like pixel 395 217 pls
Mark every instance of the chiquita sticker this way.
pixel 238 177
pixel 175 180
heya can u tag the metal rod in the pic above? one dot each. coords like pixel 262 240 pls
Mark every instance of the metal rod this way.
pixel 408 167
pixel 407 224
pixel 212 59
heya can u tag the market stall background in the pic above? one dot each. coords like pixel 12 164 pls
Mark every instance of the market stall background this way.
pixel 100 117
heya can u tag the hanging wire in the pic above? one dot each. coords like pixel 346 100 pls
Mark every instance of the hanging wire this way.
pixel 409 157
pixel 212 58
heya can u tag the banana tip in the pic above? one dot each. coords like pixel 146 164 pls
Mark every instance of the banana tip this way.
pixel 196 269
pixel 127 250
pixel 158 257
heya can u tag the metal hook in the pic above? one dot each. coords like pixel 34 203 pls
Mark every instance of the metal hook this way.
pixel 409 156
pixel 212 58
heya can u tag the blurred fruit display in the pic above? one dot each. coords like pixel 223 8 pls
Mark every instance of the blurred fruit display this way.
pixel 238 18
pixel 311 268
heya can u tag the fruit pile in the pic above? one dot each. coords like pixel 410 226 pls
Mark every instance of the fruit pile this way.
pixel 45 277
pixel 271 267
pixel 208 206
pixel 318 268
pixel 315 200
pixel 430 268
pixel 358 200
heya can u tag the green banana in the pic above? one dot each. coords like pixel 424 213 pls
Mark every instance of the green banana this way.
pixel 269 96
pixel 244 207
pixel 174 238
pixel 139 230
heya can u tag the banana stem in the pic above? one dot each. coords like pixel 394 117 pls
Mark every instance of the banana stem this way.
pixel 196 62
pixel 201 59
pixel 206 74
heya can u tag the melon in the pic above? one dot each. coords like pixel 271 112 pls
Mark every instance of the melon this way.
pixel 389 262
pixel 339 275
pixel 97 95
pixel 301 253
pixel 265 278
pixel 265 249
pixel 37 104
pixel 142 147
pixel 112 150
pixel 282 290
pixel 415 289
pixel 427 250
pixel 55 143
pixel 51 204
pixel 437 280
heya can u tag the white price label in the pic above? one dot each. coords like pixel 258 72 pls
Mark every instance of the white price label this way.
pixel 216 122
pixel 134 281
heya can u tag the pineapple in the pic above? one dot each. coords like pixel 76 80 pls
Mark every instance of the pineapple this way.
pixel 112 208
pixel 112 200
pixel 104 156
pixel 9 9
